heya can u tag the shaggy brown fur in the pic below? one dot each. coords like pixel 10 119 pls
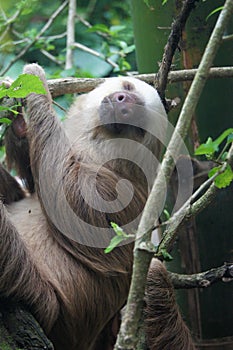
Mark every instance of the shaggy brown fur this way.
pixel 164 326
pixel 75 290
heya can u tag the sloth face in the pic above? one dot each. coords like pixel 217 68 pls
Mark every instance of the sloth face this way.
pixel 121 107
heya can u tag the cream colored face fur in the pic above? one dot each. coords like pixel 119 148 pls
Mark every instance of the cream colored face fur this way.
pixel 83 116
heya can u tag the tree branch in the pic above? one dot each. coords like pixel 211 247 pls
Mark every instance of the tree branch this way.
pixel 78 85
pixel 70 34
pixel 96 54
pixel 129 326
pixel 205 279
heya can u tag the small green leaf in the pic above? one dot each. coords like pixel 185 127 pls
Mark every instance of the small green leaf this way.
pixel 24 85
pixel 5 121
pixel 208 148
pixel 115 241
pixel 99 28
pixel 213 12
pixel 118 230
pixel 167 214
pixel 223 136
pixel 224 179
pixel 166 255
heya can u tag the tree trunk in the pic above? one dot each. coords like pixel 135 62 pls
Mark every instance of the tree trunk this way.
pixel 19 330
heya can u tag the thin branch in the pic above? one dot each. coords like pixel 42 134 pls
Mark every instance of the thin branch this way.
pixel 70 34
pixel 13 43
pixel 42 31
pixel 129 326
pixel 51 57
pixel 96 54
pixel 227 37
pixel 171 46
pixel 184 213
pixel 78 85
pixel 8 22
pixel 54 37
pixel 205 279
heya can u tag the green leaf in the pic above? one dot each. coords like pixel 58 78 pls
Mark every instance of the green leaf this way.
pixel 210 147
pixel 118 230
pixel 166 255
pixel 223 136
pixel 99 28
pixel 115 241
pixel 213 12
pixel 24 85
pixel 224 179
pixel 167 214
pixel 5 121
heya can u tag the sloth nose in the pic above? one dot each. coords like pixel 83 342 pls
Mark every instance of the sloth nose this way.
pixel 120 97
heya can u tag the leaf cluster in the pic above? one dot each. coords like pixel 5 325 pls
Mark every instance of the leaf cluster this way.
pixel 211 149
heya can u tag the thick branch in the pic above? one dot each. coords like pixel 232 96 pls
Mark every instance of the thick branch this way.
pixel 79 85
pixel 223 273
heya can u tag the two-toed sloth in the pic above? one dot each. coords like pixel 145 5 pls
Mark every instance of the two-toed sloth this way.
pixel 94 169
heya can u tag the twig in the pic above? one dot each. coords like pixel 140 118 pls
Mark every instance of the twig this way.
pixel 205 279
pixel 42 31
pixel 51 57
pixel 54 37
pixel 70 34
pixel 129 326
pixel 77 85
pixel 8 22
pixel 171 46
pixel 96 54
pixel 227 37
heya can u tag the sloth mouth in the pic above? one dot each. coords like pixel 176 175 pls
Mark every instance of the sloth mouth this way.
pixel 124 129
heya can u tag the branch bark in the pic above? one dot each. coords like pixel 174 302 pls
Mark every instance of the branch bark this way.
pixel 205 279
pixel 70 40
pixel 79 85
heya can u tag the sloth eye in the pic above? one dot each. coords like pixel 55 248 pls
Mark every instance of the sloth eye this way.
pixel 128 86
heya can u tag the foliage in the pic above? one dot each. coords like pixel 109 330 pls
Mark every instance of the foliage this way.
pixel 118 239
pixel 22 86
pixel 104 28
pixel 211 150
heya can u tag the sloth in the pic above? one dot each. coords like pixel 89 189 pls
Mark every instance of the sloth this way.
pixel 82 175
